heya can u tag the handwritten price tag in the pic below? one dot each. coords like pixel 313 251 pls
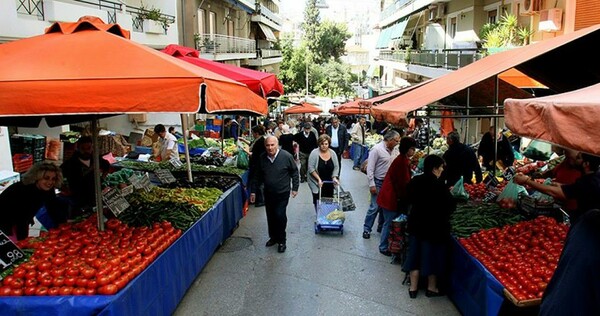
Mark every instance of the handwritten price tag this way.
pixel 115 201
pixel 9 252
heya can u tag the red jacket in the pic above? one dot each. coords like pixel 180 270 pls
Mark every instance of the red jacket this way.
pixel 394 184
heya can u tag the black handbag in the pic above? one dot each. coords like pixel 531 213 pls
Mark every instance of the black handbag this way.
pixel 346 200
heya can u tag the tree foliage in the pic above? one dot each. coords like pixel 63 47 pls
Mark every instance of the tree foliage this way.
pixel 332 41
pixel 505 33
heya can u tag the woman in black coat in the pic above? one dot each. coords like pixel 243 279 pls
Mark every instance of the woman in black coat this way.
pixel 428 226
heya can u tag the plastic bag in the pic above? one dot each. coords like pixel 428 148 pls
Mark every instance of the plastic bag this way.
pixel 243 161
pixel 511 191
pixel 458 190
pixel 543 198
pixel 538 150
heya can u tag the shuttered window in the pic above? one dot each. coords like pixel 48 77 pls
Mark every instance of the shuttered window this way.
pixel 587 13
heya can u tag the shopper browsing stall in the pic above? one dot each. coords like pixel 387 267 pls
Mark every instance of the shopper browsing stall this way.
pixel 461 161
pixel 22 200
pixel 428 227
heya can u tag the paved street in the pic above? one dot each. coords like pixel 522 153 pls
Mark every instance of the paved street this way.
pixel 325 274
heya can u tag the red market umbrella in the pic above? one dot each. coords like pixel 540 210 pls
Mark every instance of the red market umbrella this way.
pixel 356 107
pixel 264 84
pixel 303 108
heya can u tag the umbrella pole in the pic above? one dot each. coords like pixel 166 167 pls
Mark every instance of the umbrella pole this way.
pixel 186 134
pixel 97 182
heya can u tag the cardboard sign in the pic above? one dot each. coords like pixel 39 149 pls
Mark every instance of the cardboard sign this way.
pixel 9 252
pixel 127 190
pixel 115 201
pixel 165 176
pixel 142 182
pixel 176 163
pixel 509 173
pixel 490 197
pixel 490 182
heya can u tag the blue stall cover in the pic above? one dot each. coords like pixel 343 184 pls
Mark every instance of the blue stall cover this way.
pixel 160 287
pixel 473 289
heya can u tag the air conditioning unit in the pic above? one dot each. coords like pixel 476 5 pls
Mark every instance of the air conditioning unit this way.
pixel 529 7
pixel 441 10
pixel 550 20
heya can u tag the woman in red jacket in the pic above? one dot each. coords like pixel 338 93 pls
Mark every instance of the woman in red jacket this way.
pixel 392 196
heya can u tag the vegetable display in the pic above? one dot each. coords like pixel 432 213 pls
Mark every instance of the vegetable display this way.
pixel 522 256
pixel 151 166
pixel 471 217
pixel 77 259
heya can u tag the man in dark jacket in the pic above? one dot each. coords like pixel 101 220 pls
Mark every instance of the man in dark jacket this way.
pixel 460 161
pixel 486 150
pixel 339 138
pixel 307 141
pixel 276 168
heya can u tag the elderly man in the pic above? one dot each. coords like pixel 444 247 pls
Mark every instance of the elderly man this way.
pixel 276 168
pixel 359 134
pixel 380 159
pixel 339 138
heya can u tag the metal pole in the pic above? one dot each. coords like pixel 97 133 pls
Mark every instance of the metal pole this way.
pixel 97 182
pixel 495 125
pixel 186 134
pixel 468 103
pixel 306 98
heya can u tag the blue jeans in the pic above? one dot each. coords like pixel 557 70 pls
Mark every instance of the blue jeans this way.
pixel 373 210
pixel 385 231
pixel 357 154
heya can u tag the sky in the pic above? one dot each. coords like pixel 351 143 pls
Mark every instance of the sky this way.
pixel 339 10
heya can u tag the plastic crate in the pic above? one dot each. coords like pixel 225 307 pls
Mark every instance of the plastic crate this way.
pixel 22 162
pixel 143 150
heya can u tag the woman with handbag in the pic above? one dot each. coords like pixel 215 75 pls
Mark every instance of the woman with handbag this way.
pixel 392 196
pixel 321 167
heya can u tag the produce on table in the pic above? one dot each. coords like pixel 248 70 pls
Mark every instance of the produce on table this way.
pixel 471 217
pixel 119 177
pixel 152 166
pixel 222 183
pixel 372 140
pixel 77 259
pixel 202 198
pixel 142 213
pixel 522 256
pixel 440 144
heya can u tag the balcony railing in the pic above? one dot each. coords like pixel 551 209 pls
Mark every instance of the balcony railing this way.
pixel 223 44
pixel 264 11
pixel 269 53
pixel 392 8
pixel 447 58
pixel 36 8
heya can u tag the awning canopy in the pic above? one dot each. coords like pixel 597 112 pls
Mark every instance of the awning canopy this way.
pixel 303 108
pixel 269 35
pixel 554 63
pixel 521 80
pixel 384 38
pixel 264 84
pixel 398 29
pixel 569 119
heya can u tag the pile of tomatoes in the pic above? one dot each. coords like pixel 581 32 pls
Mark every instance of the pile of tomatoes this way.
pixel 522 256
pixel 77 259
pixel 476 191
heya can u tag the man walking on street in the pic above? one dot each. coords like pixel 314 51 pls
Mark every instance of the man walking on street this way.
pixel 276 168
pixel 339 138
pixel 307 141
pixel 358 134
pixel 380 159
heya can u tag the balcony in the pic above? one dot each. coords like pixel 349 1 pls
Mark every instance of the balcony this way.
pixel 33 16
pixel 450 59
pixel 267 17
pixel 265 57
pixel 223 47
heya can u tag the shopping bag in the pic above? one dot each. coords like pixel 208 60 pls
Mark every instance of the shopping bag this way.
pixel 346 200
pixel 511 192
pixel 458 190
pixel 243 161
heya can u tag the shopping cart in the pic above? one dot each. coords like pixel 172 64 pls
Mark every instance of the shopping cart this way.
pixel 325 208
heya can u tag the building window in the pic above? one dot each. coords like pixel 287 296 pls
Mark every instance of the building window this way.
pixel 212 24
pixel 492 16
pixel 201 20
pixel 452 30
pixel 230 28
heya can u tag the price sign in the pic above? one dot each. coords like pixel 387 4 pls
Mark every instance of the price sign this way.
pixel 165 176
pixel 142 182
pixel 490 197
pixel 491 182
pixel 115 201
pixel 176 163
pixel 9 252
pixel 509 173
pixel 127 190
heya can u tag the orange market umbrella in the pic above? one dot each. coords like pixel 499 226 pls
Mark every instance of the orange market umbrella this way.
pixel 355 107
pixel 303 108
pixel 89 67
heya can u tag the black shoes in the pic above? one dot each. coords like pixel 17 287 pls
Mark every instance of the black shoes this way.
pixel 386 253
pixel 281 248
pixel 355 168
pixel 412 294
pixel 429 293
pixel 270 243
pixel 366 235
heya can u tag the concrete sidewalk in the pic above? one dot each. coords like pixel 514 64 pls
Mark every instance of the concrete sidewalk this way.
pixel 324 274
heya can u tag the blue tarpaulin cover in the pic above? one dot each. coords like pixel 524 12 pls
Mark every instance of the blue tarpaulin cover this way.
pixel 473 289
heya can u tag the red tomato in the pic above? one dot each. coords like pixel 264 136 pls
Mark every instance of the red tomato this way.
pixel 41 291
pixel 58 281
pixel 54 291
pixel 66 290
pixel 78 291
pixel 81 282
pixel 29 290
pixel 109 289
pixel 5 290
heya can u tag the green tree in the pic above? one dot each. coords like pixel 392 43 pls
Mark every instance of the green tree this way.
pixel 293 67
pixel 505 33
pixel 310 26
pixel 332 79
pixel 332 41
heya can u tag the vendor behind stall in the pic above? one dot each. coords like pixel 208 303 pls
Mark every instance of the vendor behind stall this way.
pixel 586 190
pixel 168 144
pixel 22 200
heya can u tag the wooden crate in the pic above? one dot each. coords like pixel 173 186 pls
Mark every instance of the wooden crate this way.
pixel 523 303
